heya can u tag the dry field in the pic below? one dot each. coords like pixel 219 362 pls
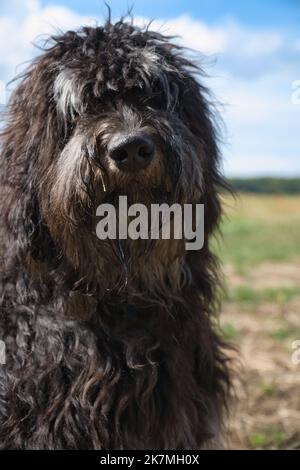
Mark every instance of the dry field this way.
pixel 261 315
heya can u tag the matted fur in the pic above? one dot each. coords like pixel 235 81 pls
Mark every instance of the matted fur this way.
pixel 110 345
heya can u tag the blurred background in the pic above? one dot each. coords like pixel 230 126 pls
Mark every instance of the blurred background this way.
pixel 251 53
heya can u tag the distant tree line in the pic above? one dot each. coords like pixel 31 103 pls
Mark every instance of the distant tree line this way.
pixel 266 185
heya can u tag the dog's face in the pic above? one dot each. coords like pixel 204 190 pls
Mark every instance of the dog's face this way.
pixel 128 105
pixel 115 110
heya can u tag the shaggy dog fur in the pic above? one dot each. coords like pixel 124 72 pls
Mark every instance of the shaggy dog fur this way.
pixel 109 344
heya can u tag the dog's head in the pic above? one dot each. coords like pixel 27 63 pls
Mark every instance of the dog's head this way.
pixel 132 116
pixel 107 111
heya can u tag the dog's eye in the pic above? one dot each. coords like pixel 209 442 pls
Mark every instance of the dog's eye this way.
pixel 165 94
pixel 154 101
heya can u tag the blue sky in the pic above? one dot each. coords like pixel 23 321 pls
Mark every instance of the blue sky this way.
pixel 255 52
pixel 257 12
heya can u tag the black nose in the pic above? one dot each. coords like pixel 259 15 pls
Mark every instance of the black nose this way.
pixel 132 153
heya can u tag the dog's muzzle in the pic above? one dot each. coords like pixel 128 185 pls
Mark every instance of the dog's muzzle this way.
pixel 132 152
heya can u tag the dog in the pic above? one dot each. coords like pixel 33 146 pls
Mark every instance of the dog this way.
pixel 110 344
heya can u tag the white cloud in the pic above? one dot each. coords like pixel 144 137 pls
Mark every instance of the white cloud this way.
pixel 34 24
pixel 228 37
pixel 257 164
pixel 46 20
pixel 254 101
pixel 195 34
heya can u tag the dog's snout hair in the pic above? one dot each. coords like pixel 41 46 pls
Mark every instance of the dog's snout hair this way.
pixel 110 344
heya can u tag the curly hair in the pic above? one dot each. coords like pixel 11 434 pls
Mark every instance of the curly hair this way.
pixel 110 344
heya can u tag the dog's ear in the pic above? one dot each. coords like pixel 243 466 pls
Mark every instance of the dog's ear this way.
pixel 200 114
pixel 25 234
pixel 23 231
pixel 29 142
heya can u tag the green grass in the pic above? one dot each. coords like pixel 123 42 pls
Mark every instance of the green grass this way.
pixel 257 229
pixel 248 295
pixel 229 332
pixel 268 389
pixel 257 440
pixel 277 438
pixel 250 243
pixel 269 438
pixel 281 334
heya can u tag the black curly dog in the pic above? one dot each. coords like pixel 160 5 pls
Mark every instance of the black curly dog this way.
pixel 110 344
